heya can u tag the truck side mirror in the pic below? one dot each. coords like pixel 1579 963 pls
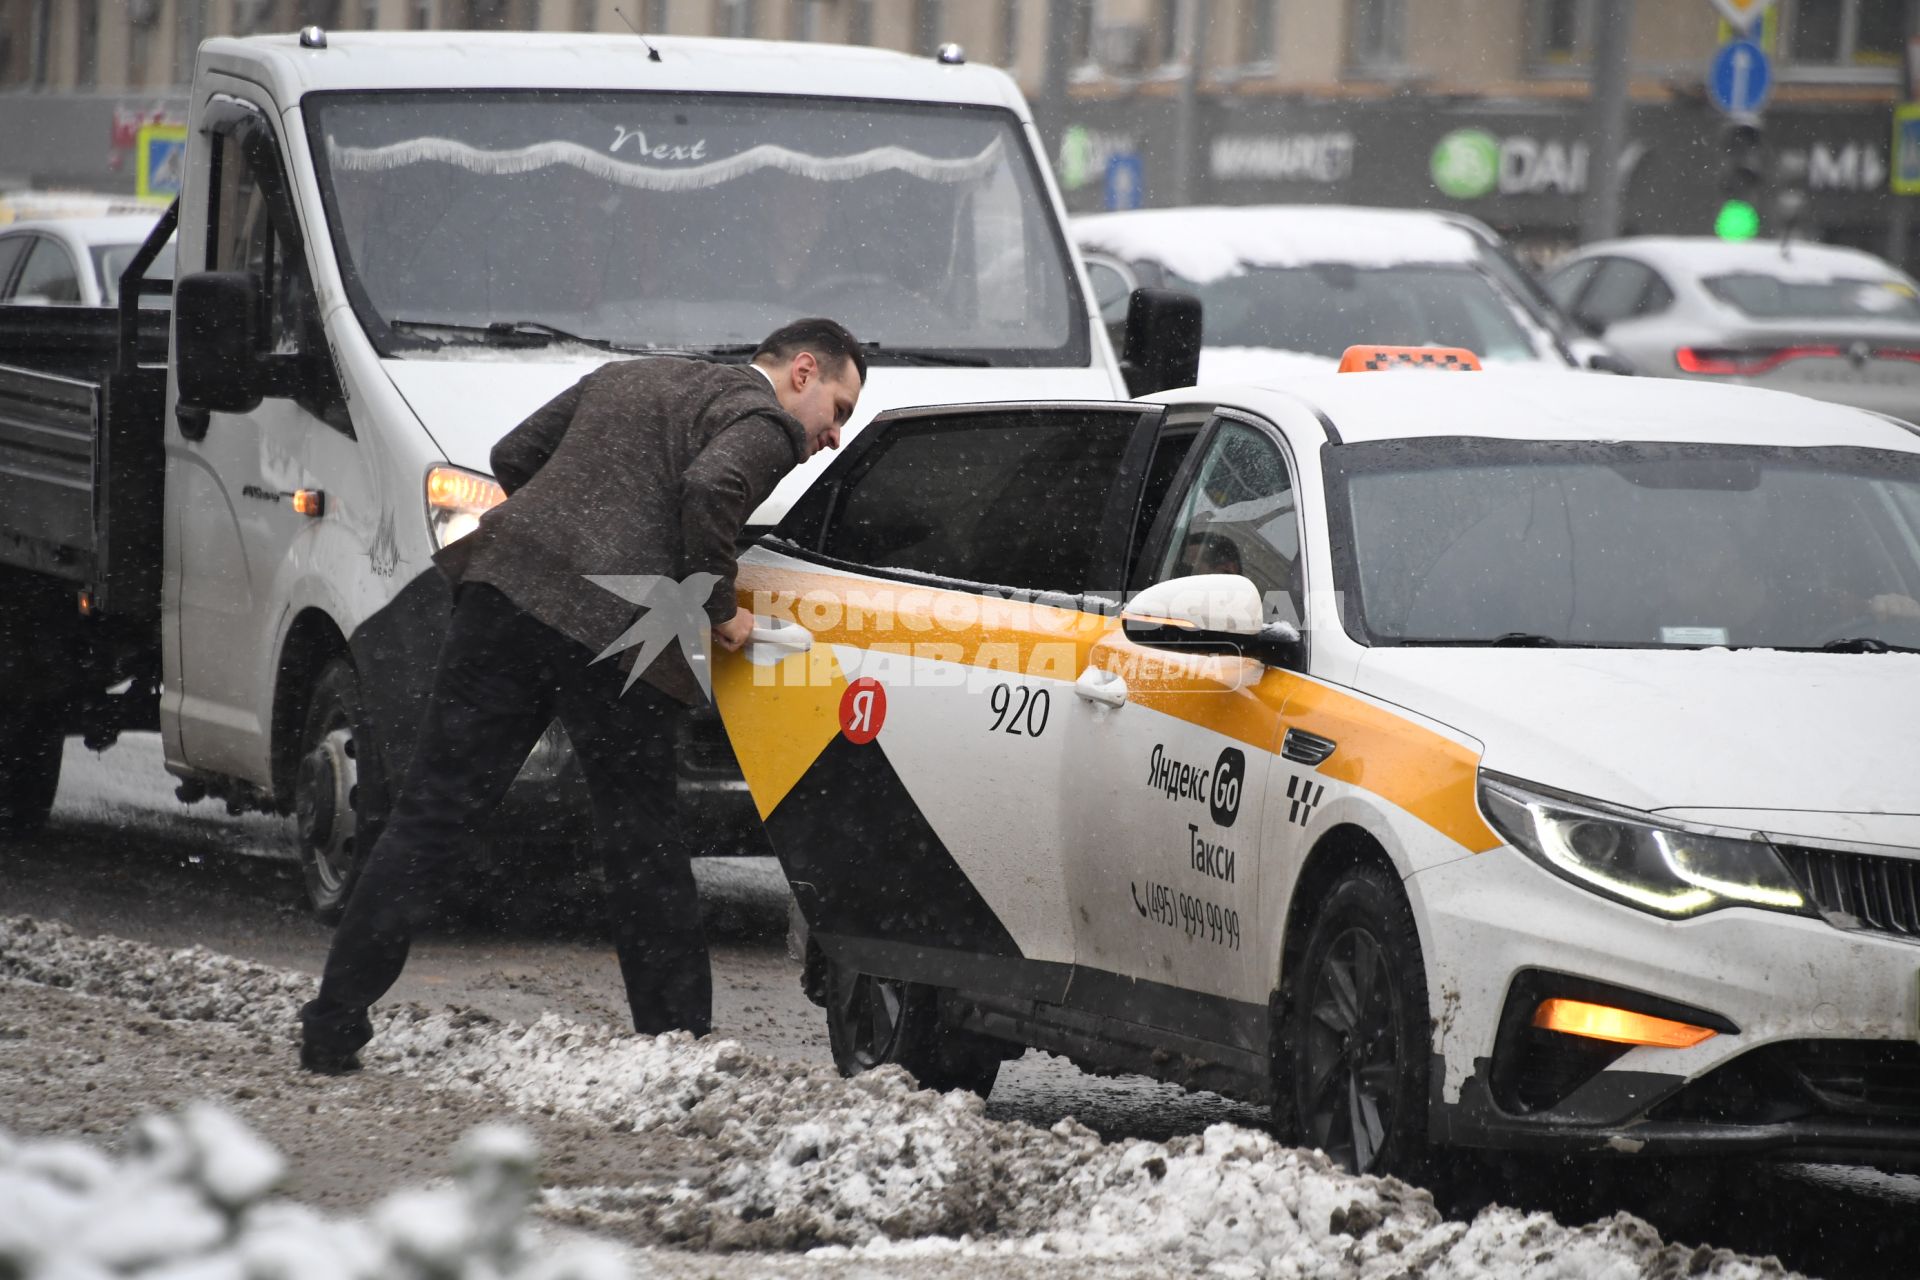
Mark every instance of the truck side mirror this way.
pixel 220 366
pixel 1162 349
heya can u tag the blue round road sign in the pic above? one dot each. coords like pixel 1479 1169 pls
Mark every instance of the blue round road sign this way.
pixel 1740 78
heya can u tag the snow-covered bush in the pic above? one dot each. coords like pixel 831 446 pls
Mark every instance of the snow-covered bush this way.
pixel 190 1200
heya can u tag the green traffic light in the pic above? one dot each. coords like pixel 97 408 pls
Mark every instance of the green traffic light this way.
pixel 1737 220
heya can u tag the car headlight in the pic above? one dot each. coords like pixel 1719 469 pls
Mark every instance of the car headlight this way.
pixel 1635 858
pixel 456 500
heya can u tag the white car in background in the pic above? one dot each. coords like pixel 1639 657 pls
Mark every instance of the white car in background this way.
pixel 1288 288
pixel 1836 324
pixel 74 262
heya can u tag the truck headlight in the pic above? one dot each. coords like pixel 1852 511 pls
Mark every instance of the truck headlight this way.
pixel 456 500
pixel 1635 858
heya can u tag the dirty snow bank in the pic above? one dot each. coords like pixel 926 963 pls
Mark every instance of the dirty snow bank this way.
pixel 875 1169
pixel 190 1202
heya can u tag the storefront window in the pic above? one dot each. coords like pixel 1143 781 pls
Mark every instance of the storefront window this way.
pixel 1847 33
pixel 1256 33
pixel 1376 33
pixel 1560 32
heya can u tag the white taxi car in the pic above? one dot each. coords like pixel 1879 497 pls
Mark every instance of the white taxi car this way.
pixel 1480 758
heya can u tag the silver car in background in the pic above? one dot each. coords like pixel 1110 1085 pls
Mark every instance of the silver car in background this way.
pixel 1836 324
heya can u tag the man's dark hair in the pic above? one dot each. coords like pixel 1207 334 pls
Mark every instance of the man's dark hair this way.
pixel 828 340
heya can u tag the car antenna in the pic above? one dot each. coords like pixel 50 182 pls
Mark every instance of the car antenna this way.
pixel 653 54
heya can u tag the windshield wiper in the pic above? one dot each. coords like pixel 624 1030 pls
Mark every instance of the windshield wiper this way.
pixel 1508 640
pixel 512 333
pixel 1865 644
pixel 1524 640
pixel 923 355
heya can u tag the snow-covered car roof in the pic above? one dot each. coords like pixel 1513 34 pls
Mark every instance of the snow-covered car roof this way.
pixel 123 229
pixel 1205 243
pixel 1521 405
pixel 563 60
pixel 1702 256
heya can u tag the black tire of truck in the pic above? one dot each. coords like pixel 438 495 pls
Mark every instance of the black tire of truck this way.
pixel 874 1022
pixel 1354 1050
pixel 31 741
pixel 339 791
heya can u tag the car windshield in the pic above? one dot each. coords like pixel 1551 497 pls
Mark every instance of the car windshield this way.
pixel 1766 297
pixel 1630 545
pixel 1325 308
pixel 694 221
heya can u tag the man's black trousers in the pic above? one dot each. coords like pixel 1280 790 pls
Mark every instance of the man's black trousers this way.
pixel 503 677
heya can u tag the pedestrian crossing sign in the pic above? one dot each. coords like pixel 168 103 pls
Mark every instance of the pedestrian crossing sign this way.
pixel 162 153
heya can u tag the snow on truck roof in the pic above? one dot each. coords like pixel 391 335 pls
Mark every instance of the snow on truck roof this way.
pixel 394 60
pixel 1210 242
pixel 1546 406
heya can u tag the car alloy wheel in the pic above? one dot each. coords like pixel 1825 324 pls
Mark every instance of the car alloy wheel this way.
pixel 1356 1043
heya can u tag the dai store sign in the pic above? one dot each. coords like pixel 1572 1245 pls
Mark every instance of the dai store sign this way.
pixel 1471 164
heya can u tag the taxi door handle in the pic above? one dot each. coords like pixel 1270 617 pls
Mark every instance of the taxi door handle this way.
pixel 773 640
pixel 1100 686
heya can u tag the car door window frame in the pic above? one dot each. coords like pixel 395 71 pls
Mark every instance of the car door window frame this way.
pixel 24 241
pixel 1153 552
pixel 805 529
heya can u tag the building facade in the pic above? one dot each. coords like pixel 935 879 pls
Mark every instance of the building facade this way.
pixel 1474 105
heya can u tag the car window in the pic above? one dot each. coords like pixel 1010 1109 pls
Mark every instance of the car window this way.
pixel 1566 283
pixel 12 249
pixel 48 275
pixel 245 238
pixel 1111 289
pixel 110 263
pixel 1766 297
pixel 1621 288
pixel 1240 516
pixel 1017 501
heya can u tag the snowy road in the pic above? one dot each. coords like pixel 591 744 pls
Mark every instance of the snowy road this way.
pixel 123 858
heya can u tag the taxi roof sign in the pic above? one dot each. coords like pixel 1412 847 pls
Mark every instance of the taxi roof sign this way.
pixel 1370 359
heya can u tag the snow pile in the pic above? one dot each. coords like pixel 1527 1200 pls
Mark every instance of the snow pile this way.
pixel 792 1157
pixel 190 1202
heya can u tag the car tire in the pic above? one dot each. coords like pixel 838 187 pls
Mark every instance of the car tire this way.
pixel 1351 1074
pixel 31 742
pixel 873 1022
pixel 339 791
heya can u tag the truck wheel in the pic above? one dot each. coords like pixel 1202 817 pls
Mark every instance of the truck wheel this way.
pixel 1355 1046
pixel 875 1021
pixel 339 791
pixel 30 745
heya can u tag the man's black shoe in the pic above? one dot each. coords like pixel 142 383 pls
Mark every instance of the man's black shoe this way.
pixel 323 1063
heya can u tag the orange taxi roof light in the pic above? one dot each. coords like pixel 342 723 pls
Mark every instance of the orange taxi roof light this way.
pixel 1369 359
pixel 1621 1026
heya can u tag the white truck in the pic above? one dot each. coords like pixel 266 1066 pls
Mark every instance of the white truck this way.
pixel 390 249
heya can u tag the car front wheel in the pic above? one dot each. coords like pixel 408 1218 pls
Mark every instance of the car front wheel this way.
pixel 1356 1043
pixel 337 792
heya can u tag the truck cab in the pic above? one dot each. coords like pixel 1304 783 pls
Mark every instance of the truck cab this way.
pixel 391 248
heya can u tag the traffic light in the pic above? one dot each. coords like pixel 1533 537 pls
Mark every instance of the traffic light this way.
pixel 1743 171
pixel 1743 160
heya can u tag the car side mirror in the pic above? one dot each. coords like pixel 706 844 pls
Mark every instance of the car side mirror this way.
pixel 1162 347
pixel 1591 325
pixel 1209 613
pixel 214 317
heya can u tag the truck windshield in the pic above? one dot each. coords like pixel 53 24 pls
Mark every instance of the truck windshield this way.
pixel 693 221
pixel 1478 542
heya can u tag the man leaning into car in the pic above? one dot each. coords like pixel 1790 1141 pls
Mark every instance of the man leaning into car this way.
pixel 644 467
